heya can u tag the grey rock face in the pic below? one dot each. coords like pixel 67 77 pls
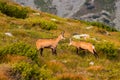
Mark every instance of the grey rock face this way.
pixel 26 3
pixel 104 11
pixel 117 15
pixel 66 8
pixel 103 17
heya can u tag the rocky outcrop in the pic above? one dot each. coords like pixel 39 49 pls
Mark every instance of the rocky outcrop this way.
pixel 67 8
pixel 117 15
pixel 107 12
pixel 26 3
pixel 103 17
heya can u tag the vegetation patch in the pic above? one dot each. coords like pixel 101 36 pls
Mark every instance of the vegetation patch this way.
pixel 108 49
pixel 28 71
pixel 23 62
pixel 44 24
pixel 70 76
pixel 56 66
pixel 12 10
pixel 100 25
pixel 20 48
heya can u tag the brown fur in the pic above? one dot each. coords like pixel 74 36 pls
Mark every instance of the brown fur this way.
pixel 84 46
pixel 49 43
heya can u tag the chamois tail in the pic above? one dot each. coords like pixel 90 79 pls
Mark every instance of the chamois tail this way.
pixel 95 53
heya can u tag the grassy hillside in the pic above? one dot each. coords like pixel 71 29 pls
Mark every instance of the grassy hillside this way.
pixel 20 27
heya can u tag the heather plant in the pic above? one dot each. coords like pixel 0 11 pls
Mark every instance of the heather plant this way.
pixel 100 25
pixel 30 71
pixel 107 48
pixel 44 24
pixel 20 48
pixel 47 25
pixel 13 11
pixel 26 71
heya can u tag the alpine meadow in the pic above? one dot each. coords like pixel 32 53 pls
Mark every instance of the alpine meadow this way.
pixel 20 59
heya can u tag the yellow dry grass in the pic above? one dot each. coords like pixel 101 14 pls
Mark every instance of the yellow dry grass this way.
pixel 3 72
pixel 71 76
pixel 15 58
pixel 3 76
pixel 56 66
pixel 95 68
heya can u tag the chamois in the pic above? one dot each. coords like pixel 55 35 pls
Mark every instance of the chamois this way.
pixel 84 46
pixel 49 43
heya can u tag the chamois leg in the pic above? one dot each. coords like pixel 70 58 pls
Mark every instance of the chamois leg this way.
pixel 41 50
pixel 77 51
pixel 95 54
pixel 54 51
pixel 83 52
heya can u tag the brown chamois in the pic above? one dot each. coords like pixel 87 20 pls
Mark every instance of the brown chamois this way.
pixel 49 43
pixel 84 46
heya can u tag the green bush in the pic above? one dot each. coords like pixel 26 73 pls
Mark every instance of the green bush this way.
pixel 20 48
pixel 48 25
pixel 107 48
pixel 13 11
pixel 44 24
pixel 28 71
pixel 45 74
pixel 100 25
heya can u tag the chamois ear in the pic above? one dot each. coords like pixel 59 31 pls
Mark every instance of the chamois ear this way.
pixel 70 39
pixel 62 32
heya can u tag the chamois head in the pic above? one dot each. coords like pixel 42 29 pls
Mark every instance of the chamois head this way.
pixel 61 36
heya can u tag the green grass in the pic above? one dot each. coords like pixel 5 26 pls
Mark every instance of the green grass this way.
pixel 25 62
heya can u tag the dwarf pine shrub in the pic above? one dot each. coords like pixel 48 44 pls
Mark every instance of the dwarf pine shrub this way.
pixel 107 48
pixel 48 25
pixel 12 10
pixel 28 71
pixel 100 25
pixel 43 24
pixel 20 48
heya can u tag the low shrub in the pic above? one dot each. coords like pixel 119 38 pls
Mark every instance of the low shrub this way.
pixel 100 25
pixel 44 24
pixel 20 48
pixel 107 48
pixel 13 10
pixel 28 71
pixel 48 25
pixel 45 73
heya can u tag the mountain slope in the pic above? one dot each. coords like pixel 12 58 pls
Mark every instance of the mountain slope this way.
pixel 80 9
pixel 19 59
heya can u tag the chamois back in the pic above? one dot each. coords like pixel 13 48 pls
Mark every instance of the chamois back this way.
pixel 84 46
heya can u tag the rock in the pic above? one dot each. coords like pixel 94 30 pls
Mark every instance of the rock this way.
pixel 53 19
pixel 91 63
pixel 79 36
pixel 36 14
pixel 9 34
pixel 89 27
